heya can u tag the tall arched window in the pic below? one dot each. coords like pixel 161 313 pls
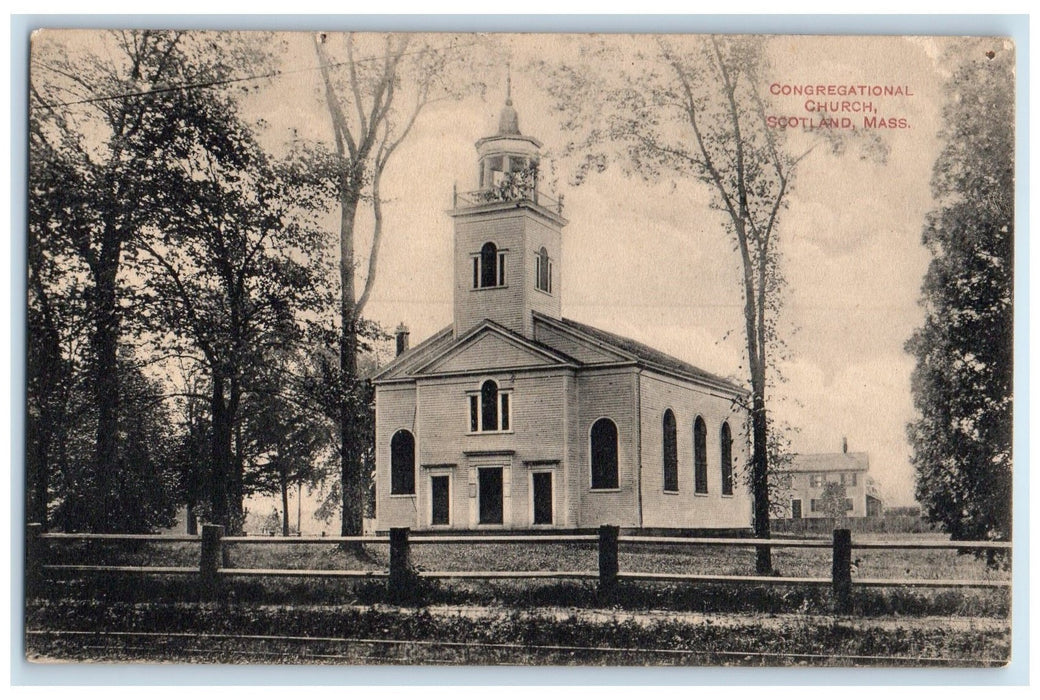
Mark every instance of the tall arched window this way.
pixel 489 267
pixel 726 455
pixel 489 406
pixel 543 271
pixel 402 463
pixel 700 456
pixel 603 451
pixel 671 453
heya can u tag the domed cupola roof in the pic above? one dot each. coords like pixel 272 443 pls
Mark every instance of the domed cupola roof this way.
pixel 508 138
pixel 509 120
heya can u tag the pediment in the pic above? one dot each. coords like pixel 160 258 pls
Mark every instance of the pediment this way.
pixel 492 348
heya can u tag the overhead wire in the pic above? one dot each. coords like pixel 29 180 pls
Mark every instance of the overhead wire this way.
pixel 230 81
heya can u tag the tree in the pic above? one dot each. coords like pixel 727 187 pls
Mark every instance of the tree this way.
pixel 692 109
pixel 103 114
pixel 286 438
pixel 237 266
pixel 962 383
pixel 834 501
pixel 373 102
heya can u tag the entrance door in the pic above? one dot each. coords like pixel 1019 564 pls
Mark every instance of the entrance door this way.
pixel 440 514
pixel 796 509
pixel 490 489
pixel 541 483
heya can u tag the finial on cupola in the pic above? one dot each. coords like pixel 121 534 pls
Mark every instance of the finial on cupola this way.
pixel 508 120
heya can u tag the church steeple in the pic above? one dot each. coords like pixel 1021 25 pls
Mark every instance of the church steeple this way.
pixel 507 234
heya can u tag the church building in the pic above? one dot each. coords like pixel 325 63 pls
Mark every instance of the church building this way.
pixel 515 418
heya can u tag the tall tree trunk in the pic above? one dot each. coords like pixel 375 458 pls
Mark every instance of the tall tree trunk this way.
pixel 351 449
pixel 105 347
pixel 283 482
pixel 220 454
pixel 192 526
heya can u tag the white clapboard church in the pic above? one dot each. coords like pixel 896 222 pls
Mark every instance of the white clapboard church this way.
pixel 516 418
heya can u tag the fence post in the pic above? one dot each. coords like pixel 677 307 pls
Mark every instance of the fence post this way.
pixel 33 559
pixel 401 582
pixel 608 562
pixel 841 569
pixel 211 561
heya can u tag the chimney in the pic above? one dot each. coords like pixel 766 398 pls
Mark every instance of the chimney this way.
pixel 401 334
pixel 844 440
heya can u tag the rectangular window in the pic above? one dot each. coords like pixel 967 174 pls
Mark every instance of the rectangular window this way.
pixel 476 272
pixel 814 504
pixel 848 504
pixel 817 480
pixel 537 271
pixel 796 509
pixel 548 279
pixel 474 413
pixel 541 487
pixel 504 411
pixel 439 500
pixel 501 269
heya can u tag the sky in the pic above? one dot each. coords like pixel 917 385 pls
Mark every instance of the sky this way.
pixel 653 262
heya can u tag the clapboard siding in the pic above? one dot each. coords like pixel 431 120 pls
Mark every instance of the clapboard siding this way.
pixel 609 394
pixel 686 509
pixel 395 410
pixel 504 305
pixel 538 234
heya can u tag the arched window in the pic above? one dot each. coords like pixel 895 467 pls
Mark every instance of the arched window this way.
pixel 543 271
pixel 603 449
pixel 726 455
pixel 489 267
pixel 402 463
pixel 700 456
pixel 489 406
pixel 489 409
pixel 671 453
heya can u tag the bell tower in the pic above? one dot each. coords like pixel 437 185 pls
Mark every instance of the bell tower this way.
pixel 507 234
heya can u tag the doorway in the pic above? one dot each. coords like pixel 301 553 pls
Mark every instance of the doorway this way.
pixel 490 495
pixel 542 495
pixel 440 500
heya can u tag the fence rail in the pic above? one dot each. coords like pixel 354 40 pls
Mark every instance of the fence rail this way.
pixel 401 576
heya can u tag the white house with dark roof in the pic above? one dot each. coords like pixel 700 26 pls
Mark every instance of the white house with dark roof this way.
pixel 807 476
pixel 514 417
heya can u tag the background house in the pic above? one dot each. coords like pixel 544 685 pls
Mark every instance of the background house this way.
pixel 808 474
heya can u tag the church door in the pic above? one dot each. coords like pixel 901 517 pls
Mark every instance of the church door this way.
pixel 541 483
pixel 490 494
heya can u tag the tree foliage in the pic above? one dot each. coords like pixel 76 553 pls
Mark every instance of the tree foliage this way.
pixel 962 383
pixel 102 127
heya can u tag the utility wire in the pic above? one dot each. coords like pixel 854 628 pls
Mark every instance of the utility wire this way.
pixel 230 81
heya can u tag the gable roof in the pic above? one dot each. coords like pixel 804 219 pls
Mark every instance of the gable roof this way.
pixel 646 355
pixel 542 353
pixel 431 352
pixel 829 462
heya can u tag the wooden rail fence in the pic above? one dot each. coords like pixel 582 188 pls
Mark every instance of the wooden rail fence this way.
pixel 401 577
